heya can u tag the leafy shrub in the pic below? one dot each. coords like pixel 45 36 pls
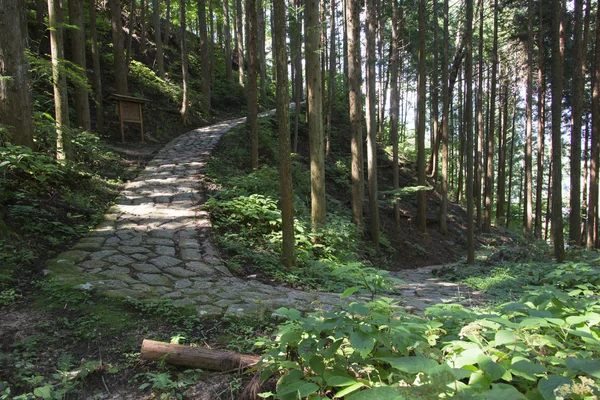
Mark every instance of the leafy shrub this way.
pixel 545 346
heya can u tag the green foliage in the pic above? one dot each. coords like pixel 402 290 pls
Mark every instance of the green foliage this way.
pixel 168 385
pixel 545 346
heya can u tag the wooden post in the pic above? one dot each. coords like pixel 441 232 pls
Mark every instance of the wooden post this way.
pixel 130 110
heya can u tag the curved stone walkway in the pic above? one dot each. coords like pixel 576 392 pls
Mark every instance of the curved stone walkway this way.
pixel 155 242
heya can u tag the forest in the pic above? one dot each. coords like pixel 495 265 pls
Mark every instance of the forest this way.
pixel 303 199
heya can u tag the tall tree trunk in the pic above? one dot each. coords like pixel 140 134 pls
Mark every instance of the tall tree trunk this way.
pixel 211 40
pixel 204 53
pixel 433 158
pixel 118 47
pixel 489 180
pixel 240 40
pixel 595 147
pixel 167 22
pixel 480 127
pixel 500 198
pixel 130 25
pixel 96 80
pixel 371 121
pixel 315 113
pixel 469 129
pixel 541 127
pixel 157 38
pixel 228 69
pixel 355 98
pixel 59 80
pixel 288 253
pixel 82 101
pixel 584 191
pixel 511 165
pixel 381 95
pixel 395 103
pixel 527 217
pixel 422 71
pixel 16 103
pixel 346 57
pixel 143 34
pixel 445 110
pixel 461 142
pixel 184 111
pixel 579 60
pixel 558 53
pixel 251 20
pixel 332 75
pixel 262 54
pixel 296 50
pixel 549 195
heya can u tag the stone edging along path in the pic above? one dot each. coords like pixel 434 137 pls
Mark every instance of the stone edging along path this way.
pixel 155 242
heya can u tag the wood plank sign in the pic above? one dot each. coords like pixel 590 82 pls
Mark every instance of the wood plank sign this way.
pixel 130 110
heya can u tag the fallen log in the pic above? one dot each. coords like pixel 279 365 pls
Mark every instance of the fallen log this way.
pixel 196 357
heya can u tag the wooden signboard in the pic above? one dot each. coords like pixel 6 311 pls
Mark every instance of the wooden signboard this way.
pixel 130 110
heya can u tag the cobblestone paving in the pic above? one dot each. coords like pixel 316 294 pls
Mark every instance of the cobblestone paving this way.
pixel 155 242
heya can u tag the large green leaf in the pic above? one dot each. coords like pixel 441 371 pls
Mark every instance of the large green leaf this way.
pixel 362 342
pixel 348 389
pixel 502 391
pixel 339 380
pixel 490 368
pixel 549 384
pixel 376 393
pixel 468 357
pixel 505 336
pixel 526 369
pixel 411 365
pixel 588 366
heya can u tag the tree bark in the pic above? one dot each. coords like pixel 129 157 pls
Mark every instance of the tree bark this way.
pixel 240 40
pixel 82 101
pixel 157 38
pixel 59 80
pixel 196 357
pixel 469 129
pixel 371 121
pixel 558 52
pixel 296 50
pixel 143 34
pixel 204 53
pixel 184 111
pixel 528 214
pixel 422 71
pixel 395 104
pixel 16 103
pixel 355 99
pixel 432 167
pixel 167 36
pixel 444 136
pixel 511 165
pixel 251 20
pixel 500 198
pixel 541 127
pixel 228 69
pixel 315 113
pixel 130 25
pixel 262 54
pixel 595 147
pixel 480 126
pixel 118 47
pixel 288 253
pixel 332 75
pixel 96 80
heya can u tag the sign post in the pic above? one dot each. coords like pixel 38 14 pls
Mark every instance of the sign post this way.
pixel 130 110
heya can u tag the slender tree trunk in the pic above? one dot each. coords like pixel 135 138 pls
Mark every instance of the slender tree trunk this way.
pixel 228 69
pixel 157 38
pixel 262 54
pixel 584 191
pixel 558 53
pixel 355 98
pixel 445 110
pixel 211 40
pixel 59 80
pixel 594 167
pixel 346 57
pixel 527 218
pixel 576 116
pixel 541 127
pixel 422 71
pixel 184 111
pixel 549 195
pixel 469 129
pixel 240 40
pixel 167 36
pixel 16 103
pixel 332 75
pixel 315 113
pixel 461 140
pixel 296 50
pixel 371 121
pixel 489 181
pixel 432 167
pixel 118 47
pixel 381 92
pixel 251 20
pixel 395 103
pixel 510 165
pixel 500 198
pixel 204 53
pixel 143 35
pixel 82 101
pixel 130 25
pixel 288 253
pixel 480 127
pixel 96 80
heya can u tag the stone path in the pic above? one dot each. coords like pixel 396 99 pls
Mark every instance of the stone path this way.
pixel 155 242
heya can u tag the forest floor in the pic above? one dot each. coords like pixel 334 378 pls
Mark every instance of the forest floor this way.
pixel 153 245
